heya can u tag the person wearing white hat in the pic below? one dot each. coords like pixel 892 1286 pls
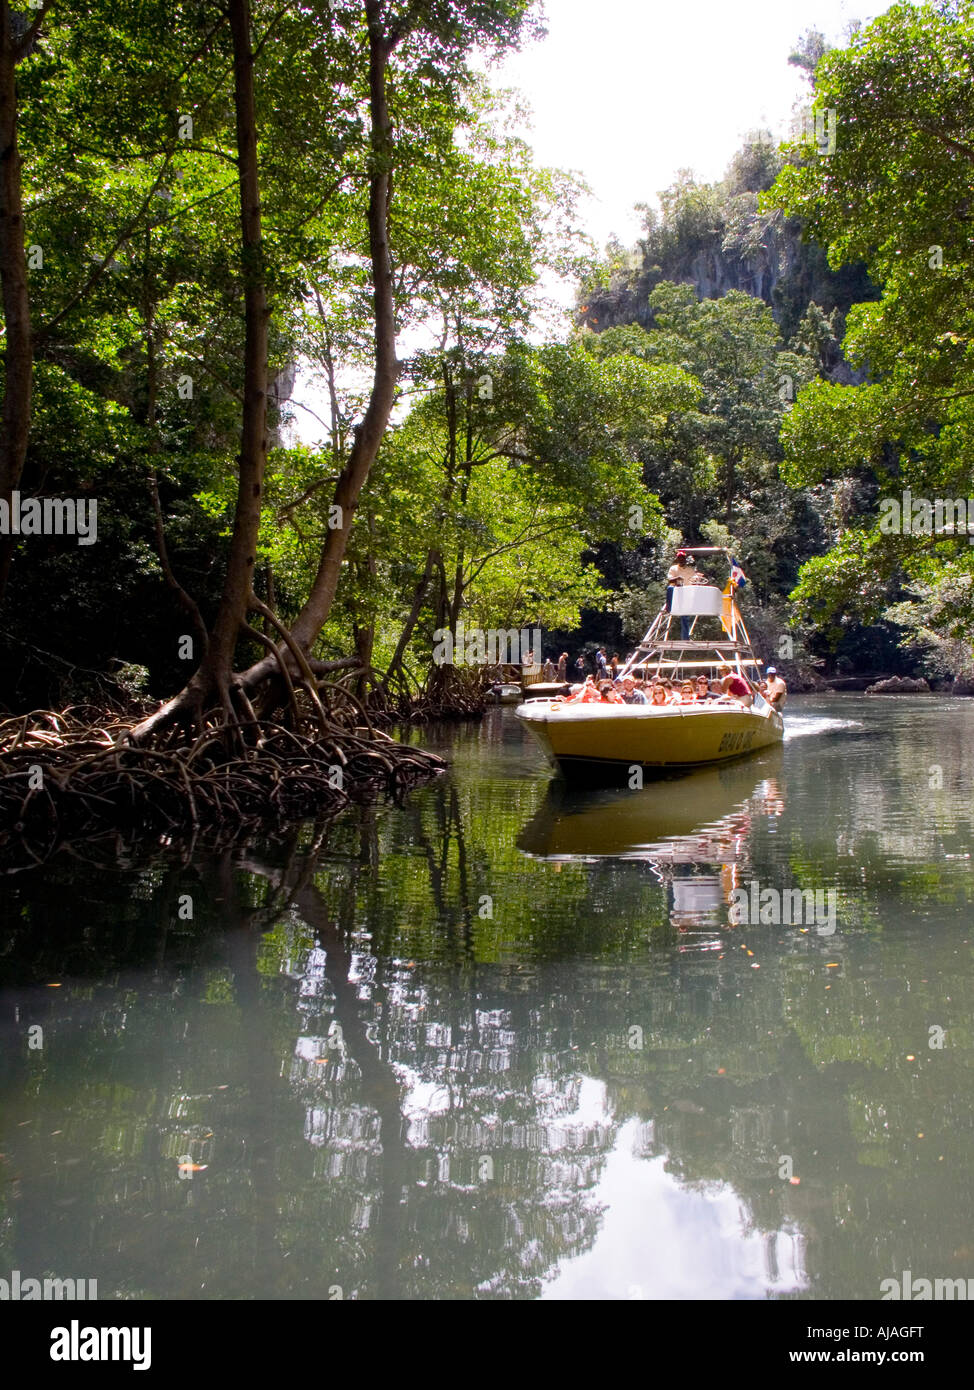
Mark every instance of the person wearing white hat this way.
pixel 775 691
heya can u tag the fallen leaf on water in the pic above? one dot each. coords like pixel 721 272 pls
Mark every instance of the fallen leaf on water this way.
pixel 794 1181
pixel 56 984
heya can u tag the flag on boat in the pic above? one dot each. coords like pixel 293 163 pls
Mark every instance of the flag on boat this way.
pixel 729 614
pixel 738 577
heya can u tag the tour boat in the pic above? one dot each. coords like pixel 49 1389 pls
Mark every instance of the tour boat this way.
pixel 601 741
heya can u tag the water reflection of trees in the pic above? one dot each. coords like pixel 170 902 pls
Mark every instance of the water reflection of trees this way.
pixel 463 1039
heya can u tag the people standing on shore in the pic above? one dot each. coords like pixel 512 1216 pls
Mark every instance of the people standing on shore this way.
pixel 563 667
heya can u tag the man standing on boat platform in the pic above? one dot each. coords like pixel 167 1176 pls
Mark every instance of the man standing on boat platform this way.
pixel 775 691
pixel 684 571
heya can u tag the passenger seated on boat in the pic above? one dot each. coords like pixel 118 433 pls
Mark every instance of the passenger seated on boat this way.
pixel 576 693
pixel 702 689
pixel 630 695
pixel 609 695
pixel 686 693
pixel 589 693
pixel 736 686
pixel 658 695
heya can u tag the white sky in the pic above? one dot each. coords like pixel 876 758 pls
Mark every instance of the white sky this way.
pixel 630 91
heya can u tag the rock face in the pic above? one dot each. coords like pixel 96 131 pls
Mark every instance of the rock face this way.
pixel 763 255
pixel 899 685
pixel 963 685
pixel 803 681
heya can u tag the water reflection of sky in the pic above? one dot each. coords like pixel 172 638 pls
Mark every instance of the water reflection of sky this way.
pixel 661 1240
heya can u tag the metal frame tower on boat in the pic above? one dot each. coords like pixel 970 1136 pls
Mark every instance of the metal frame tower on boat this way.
pixel 660 653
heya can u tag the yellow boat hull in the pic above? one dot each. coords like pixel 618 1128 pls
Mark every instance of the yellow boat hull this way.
pixel 587 741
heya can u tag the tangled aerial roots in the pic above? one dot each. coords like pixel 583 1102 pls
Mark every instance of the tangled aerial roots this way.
pixel 427 707
pixel 68 776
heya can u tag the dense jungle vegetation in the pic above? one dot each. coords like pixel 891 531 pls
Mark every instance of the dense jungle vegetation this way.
pixel 199 201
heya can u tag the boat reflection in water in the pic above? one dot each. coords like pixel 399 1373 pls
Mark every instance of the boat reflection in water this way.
pixel 694 832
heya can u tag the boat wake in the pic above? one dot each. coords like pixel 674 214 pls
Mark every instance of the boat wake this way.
pixel 802 726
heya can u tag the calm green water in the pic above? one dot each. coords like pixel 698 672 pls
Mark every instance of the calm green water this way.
pixel 505 1042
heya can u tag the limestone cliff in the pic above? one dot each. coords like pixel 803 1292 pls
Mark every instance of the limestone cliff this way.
pixel 714 237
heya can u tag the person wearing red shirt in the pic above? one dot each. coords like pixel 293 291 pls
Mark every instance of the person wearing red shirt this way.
pixel 736 686
pixel 588 694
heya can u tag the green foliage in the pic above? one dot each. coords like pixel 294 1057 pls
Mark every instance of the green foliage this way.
pixel 137 298
pixel 896 194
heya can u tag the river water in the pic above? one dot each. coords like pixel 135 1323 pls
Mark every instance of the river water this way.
pixel 510 1041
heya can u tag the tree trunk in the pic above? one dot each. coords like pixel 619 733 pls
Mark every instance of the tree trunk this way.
pixel 731 488
pixel 215 672
pixel 238 584
pixel 419 597
pixel 212 677
pixel 185 600
pixel 370 433
pixel 18 356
